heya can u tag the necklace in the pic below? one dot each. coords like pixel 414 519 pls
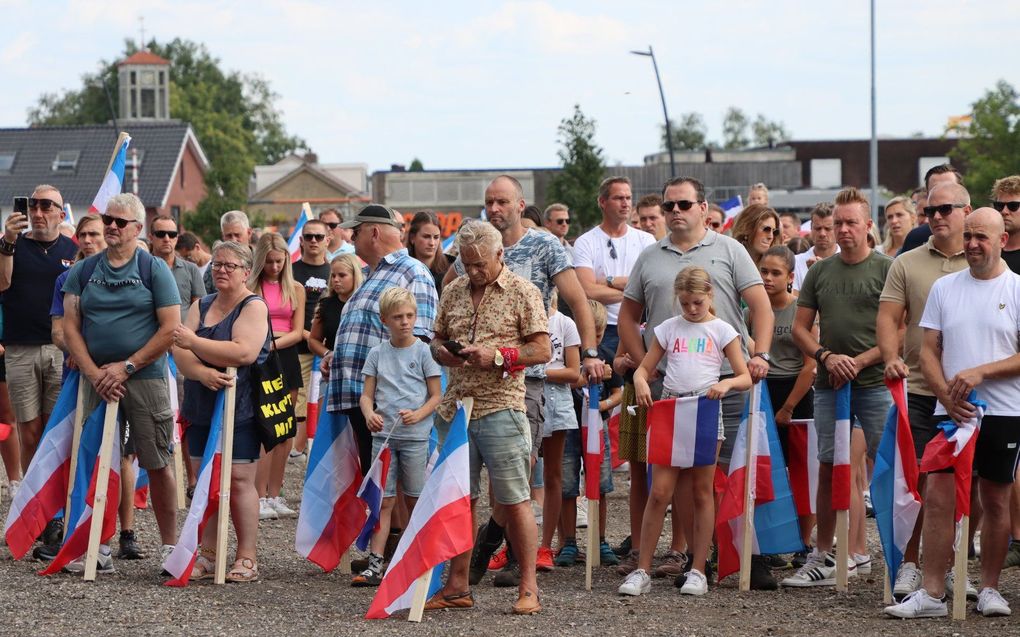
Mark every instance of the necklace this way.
pixel 46 248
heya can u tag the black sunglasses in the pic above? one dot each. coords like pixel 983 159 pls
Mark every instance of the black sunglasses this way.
pixel 715 225
pixel 612 249
pixel 332 224
pixel 121 223
pixel 682 204
pixel 161 234
pixel 1012 205
pixel 945 209
pixel 313 237
pixel 45 205
pixel 561 222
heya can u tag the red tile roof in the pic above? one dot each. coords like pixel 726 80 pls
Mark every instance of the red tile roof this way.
pixel 144 57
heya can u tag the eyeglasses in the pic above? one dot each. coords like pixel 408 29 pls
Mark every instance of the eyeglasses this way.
pixel 225 265
pixel 612 249
pixel 313 237
pixel 332 224
pixel 1012 205
pixel 121 223
pixel 945 209
pixel 682 204
pixel 163 234
pixel 561 222
pixel 45 205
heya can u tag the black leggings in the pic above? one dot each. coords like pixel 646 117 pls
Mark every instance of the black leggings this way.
pixel 362 436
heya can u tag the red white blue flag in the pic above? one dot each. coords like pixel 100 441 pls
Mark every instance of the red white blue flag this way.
pixel 894 482
pixel 113 182
pixel 683 432
pixel 331 515
pixel 204 504
pixel 312 404
pixel 803 464
pixel 43 491
pixel 841 451
pixel 371 493
pixel 294 243
pixel 79 518
pixel 440 526
pixel 953 446
pixel 591 435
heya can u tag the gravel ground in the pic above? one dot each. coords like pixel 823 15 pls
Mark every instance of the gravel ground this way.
pixel 295 598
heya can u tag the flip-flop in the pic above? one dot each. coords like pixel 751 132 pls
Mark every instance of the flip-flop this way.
pixel 457 601
pixel 528 606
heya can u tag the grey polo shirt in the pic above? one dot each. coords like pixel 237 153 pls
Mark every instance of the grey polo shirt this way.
pixel 727 263
pixel 189 283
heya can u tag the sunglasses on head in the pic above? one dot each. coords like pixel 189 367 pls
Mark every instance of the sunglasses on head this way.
pixel 162 234
pixel 121 223
pixel 313 237
pixel 945 209
pixel 1012 205
pixel 45 205
pixel 682 204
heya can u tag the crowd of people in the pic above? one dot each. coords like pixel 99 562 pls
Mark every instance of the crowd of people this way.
pixel 666 297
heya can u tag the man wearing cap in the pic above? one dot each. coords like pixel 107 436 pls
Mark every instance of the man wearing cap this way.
pixel 376 239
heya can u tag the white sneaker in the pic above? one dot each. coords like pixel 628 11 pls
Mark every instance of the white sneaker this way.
pixel 623 468
pixel 818 570
pixel 991 604
pixel 637 583
pixel 582 512
pixel 266 510
pixel 104 562
pixel 165 551
pixel 12 488
pixel 972 593
pixel 918 604
pixel 908 580
pixel 296 456
pixel 279 505
pixel 695 584
pixel 863 563
pixel 536 511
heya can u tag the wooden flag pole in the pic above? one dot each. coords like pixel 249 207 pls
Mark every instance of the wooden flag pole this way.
pixel 79 419
pixel 421 585
pixel 344 568
pixel 887 597
pixel 179 476
pixel 750 463
pixel 960 571
pixel 226 460
pixel 113 156
pixel 842 549
pixel 110 429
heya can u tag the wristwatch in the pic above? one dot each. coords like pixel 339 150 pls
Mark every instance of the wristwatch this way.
pixel 497 359
pixel 591 352
pixel 609 281
pixel 130 368
pixel 764 356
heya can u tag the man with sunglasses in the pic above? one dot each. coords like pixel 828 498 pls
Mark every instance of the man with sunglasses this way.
pixel 311 271
pixel 556 219
pixel 605 255
pixel 339 237
pixel 715 219
pixel 163 233
pixel 941 174
pixel 30 263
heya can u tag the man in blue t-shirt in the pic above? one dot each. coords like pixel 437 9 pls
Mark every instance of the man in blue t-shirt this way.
pixel 118 324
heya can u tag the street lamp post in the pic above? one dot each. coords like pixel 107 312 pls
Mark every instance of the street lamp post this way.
pixel 669 132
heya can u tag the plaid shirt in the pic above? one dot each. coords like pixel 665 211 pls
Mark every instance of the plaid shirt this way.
pixel 361 328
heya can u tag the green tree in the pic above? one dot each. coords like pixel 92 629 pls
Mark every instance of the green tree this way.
pixel 768 132
pixel 991 149
pixel 577 185
pixel 690 133
pixel 233 114
pixel 734 129
pixel 416 166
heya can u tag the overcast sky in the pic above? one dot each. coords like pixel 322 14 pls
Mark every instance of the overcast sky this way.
pixel 485 84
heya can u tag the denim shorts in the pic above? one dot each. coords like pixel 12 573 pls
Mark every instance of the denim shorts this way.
pixel 572 464
pixel 559 409
pixel 869 407
pixel 408 459
pixel 732 409
pixel 667 394
pixel 502 442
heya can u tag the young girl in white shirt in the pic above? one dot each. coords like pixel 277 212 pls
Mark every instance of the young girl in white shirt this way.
pixel 694 344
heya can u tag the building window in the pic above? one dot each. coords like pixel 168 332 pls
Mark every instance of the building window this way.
pixel 66 161
pixel 134 158
pixel 175 212
pixel 6 161
pixel 148 103
pixel 826 173
pixel 134 104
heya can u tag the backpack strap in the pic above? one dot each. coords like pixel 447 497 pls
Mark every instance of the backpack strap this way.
pixel 88 267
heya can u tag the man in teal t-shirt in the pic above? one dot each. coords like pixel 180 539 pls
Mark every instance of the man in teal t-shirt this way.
pixel 119 323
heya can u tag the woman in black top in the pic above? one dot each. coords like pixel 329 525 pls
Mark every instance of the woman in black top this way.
pixel 344 278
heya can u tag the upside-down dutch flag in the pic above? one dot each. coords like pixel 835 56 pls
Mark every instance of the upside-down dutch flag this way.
pixel 331 515
pixel 294 243
pixel 803 464
pixel 371 493
pixel 204 503
pixel 312 404
pixel 841 451
pixel 79 518
pixel 732 207
pixel 894 482
pixel 43 491
pixel 591 434
pixel 113 182
pixel 683 432
pixel 953 446
pixel 141 494
pixel 439 528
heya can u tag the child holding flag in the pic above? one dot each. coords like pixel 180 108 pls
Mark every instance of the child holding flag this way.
pixel 399 373
pixel 694 344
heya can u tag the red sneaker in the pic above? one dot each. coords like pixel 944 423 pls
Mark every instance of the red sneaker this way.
pixel 498 561
pixel 544 562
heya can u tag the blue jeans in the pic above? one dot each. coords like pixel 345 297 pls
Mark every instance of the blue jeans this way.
pixel 572 461
pixel 869 407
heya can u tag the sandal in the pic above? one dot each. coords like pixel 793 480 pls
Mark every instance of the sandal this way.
pixel 440 601
pixel 244 570
pixel 529 604
pixel 205 566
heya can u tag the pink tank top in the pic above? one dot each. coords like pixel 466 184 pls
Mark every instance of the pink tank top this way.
pixel 280 315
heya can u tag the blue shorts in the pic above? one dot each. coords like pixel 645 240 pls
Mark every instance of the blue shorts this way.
pixel 247 446
pixel 408 460
pixel 869 407
pixel 572 465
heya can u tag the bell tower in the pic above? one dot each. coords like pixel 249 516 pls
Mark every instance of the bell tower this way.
pixel 144 80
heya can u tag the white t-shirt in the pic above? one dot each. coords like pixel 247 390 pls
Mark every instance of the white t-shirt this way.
pixel 800 266
pixel 980 322
pixel 694 352
pixel 563 334
pixel 591 250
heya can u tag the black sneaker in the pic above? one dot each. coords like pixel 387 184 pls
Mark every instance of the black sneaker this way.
pixel 359 564
pixel 681 579
pixel 129 547
pixel 53 534
pixel 46 552
pixel 624 549
pixel 799 559
pixel 480 557
pixel 509 577
pixel 761 576
pixel 777 561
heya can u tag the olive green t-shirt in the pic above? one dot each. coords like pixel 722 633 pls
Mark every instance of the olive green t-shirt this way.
pixel 846 299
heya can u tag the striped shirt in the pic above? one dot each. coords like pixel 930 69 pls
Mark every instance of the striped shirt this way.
pixel 361 328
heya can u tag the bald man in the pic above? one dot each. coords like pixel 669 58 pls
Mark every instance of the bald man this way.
pixel 970 326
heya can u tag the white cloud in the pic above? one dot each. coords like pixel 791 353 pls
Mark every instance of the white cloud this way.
pixel 16 49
